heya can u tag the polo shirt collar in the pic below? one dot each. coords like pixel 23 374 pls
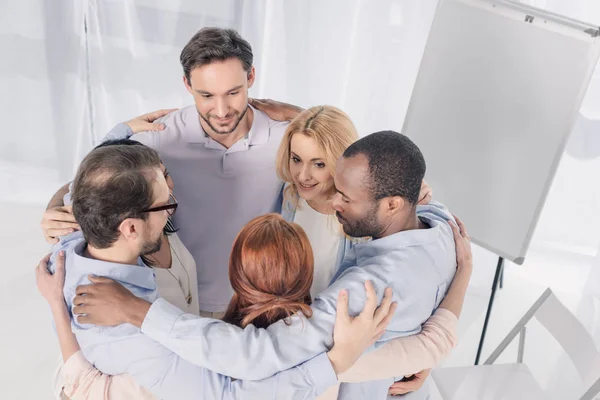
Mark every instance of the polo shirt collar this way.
pixel 260 129
pixel 194 133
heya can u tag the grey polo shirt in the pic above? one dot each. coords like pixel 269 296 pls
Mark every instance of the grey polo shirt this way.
pixel 219 190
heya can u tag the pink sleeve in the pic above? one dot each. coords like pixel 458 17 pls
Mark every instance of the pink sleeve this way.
pixel 83 381
pixel 410 354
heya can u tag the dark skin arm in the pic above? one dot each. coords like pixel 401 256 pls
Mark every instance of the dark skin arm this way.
pixel 57 199
pixel 108 303
pixel 275 109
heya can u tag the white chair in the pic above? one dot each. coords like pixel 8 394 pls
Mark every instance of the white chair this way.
pixel 515 381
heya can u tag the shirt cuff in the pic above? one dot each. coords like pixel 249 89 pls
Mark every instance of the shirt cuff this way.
pixel 128 130
pixel 123 130
pixel 321 372
pixel 120 131
pixel 160 319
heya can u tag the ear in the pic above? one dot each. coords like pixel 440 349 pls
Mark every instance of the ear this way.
pixel 187 85
pixel 395 204
pixel 251 77
pixel 130 229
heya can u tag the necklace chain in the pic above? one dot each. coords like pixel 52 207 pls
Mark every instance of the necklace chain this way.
pixel 188 296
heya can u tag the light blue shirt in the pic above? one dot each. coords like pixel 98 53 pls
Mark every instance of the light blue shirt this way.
pixel 418 265
pixel 124 349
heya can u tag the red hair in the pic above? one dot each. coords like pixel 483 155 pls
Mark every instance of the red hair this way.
pixel 271 272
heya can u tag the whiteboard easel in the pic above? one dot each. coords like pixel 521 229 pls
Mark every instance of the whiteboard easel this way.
pixel 498 91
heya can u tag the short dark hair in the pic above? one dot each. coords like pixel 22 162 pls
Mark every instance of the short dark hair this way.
pixel 113 183
pixel 115 142
pixel 396 165
pixel 215 44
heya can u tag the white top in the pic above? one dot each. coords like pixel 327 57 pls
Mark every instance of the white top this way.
pixel 177 284
pixel 323 234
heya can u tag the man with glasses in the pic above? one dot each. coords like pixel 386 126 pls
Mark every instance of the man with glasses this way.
pixel 122 211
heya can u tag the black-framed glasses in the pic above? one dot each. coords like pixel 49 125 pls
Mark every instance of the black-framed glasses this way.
pixel 169 208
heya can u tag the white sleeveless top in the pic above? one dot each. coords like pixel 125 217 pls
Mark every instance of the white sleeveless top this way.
pixel 178 284
pixel 323 234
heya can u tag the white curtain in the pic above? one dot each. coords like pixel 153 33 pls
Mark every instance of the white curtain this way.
pixel 361 58
pixel 43 102
pixel 80 67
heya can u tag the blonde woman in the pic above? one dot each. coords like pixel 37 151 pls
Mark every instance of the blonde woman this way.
pixel 313 141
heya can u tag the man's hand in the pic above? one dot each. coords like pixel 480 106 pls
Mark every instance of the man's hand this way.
pixel 146 122
pixel 58 221
pixel 353 335
pixel 414 383
pixel 275 109
pixel 108 303
pixel 425 194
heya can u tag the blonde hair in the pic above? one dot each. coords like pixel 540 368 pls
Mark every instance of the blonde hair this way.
pixel 330 127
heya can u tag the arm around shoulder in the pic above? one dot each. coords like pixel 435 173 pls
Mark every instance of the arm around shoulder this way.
pixel 410 354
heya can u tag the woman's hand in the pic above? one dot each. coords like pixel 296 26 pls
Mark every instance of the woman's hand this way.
pixel 462 241
pixel 425 194
pixel 353 335
pixel 51 285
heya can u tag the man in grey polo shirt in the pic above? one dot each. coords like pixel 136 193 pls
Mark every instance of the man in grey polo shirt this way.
pixel 220 151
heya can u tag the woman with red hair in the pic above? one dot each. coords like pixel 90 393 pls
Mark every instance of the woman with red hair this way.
pixel 271 272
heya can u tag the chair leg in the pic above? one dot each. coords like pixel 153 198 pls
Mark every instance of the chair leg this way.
pixel 521 344
pixel 592 391
pixel 501 279
pixel 518 327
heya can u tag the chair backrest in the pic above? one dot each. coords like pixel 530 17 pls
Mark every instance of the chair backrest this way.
pixel 574 338
pixel 592 391
pixel 569 332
